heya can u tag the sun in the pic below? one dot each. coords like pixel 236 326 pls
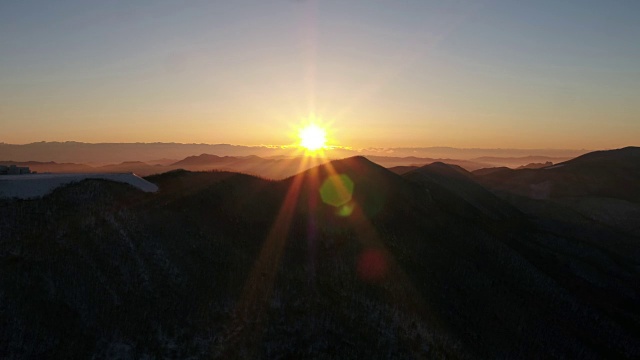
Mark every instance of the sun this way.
pixel 312 137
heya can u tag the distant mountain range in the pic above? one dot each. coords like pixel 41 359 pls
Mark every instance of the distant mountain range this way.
pixel 346 259
pixel 110 153
pixel 275 167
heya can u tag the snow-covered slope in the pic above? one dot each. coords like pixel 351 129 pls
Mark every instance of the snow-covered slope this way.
pixel 36 185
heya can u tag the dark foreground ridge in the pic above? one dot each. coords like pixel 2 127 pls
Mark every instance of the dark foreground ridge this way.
pixel 345 260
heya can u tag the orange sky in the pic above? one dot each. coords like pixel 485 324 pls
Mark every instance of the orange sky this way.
pixel 469 74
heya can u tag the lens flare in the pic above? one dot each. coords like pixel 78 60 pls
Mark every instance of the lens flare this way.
pixel 372 265
pixel 337 190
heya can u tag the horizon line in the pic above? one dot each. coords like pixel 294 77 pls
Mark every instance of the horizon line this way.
pixel 329 147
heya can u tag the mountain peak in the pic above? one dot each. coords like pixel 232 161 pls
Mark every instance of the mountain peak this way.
pixel 622 154
pixel 449 170
pixel 201 159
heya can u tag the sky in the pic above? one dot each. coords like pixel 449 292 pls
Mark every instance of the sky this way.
pixel 376 73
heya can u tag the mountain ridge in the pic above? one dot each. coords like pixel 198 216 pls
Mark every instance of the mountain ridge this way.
pixel 220 264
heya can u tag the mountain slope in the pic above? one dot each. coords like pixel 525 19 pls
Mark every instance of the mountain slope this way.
pixel 602 187
pixel 226 265
pixel 612 174
pixel 446 182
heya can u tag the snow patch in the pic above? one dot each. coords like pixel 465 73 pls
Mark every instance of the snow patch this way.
pixel 37 185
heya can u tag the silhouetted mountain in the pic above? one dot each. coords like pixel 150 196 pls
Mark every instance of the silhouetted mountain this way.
pixel 161 162
pixel 344 260
pixel 402 169
pixel 279 168
pixel 602 187
pixel 628 156
pixel 390 161
pixel 374 187
pixel 446 170
pixel 486 171
pixel 536 165
pixel 612 174
pixel 454 189
pixel 203 160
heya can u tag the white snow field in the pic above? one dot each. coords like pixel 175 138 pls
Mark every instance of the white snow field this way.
pixel 36 185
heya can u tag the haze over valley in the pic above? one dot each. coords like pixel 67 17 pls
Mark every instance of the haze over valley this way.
pixel 270 162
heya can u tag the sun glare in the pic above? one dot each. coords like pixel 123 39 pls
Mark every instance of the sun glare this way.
pixel 312 137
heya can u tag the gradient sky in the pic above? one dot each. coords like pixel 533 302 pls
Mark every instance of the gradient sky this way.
pixel 518 74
